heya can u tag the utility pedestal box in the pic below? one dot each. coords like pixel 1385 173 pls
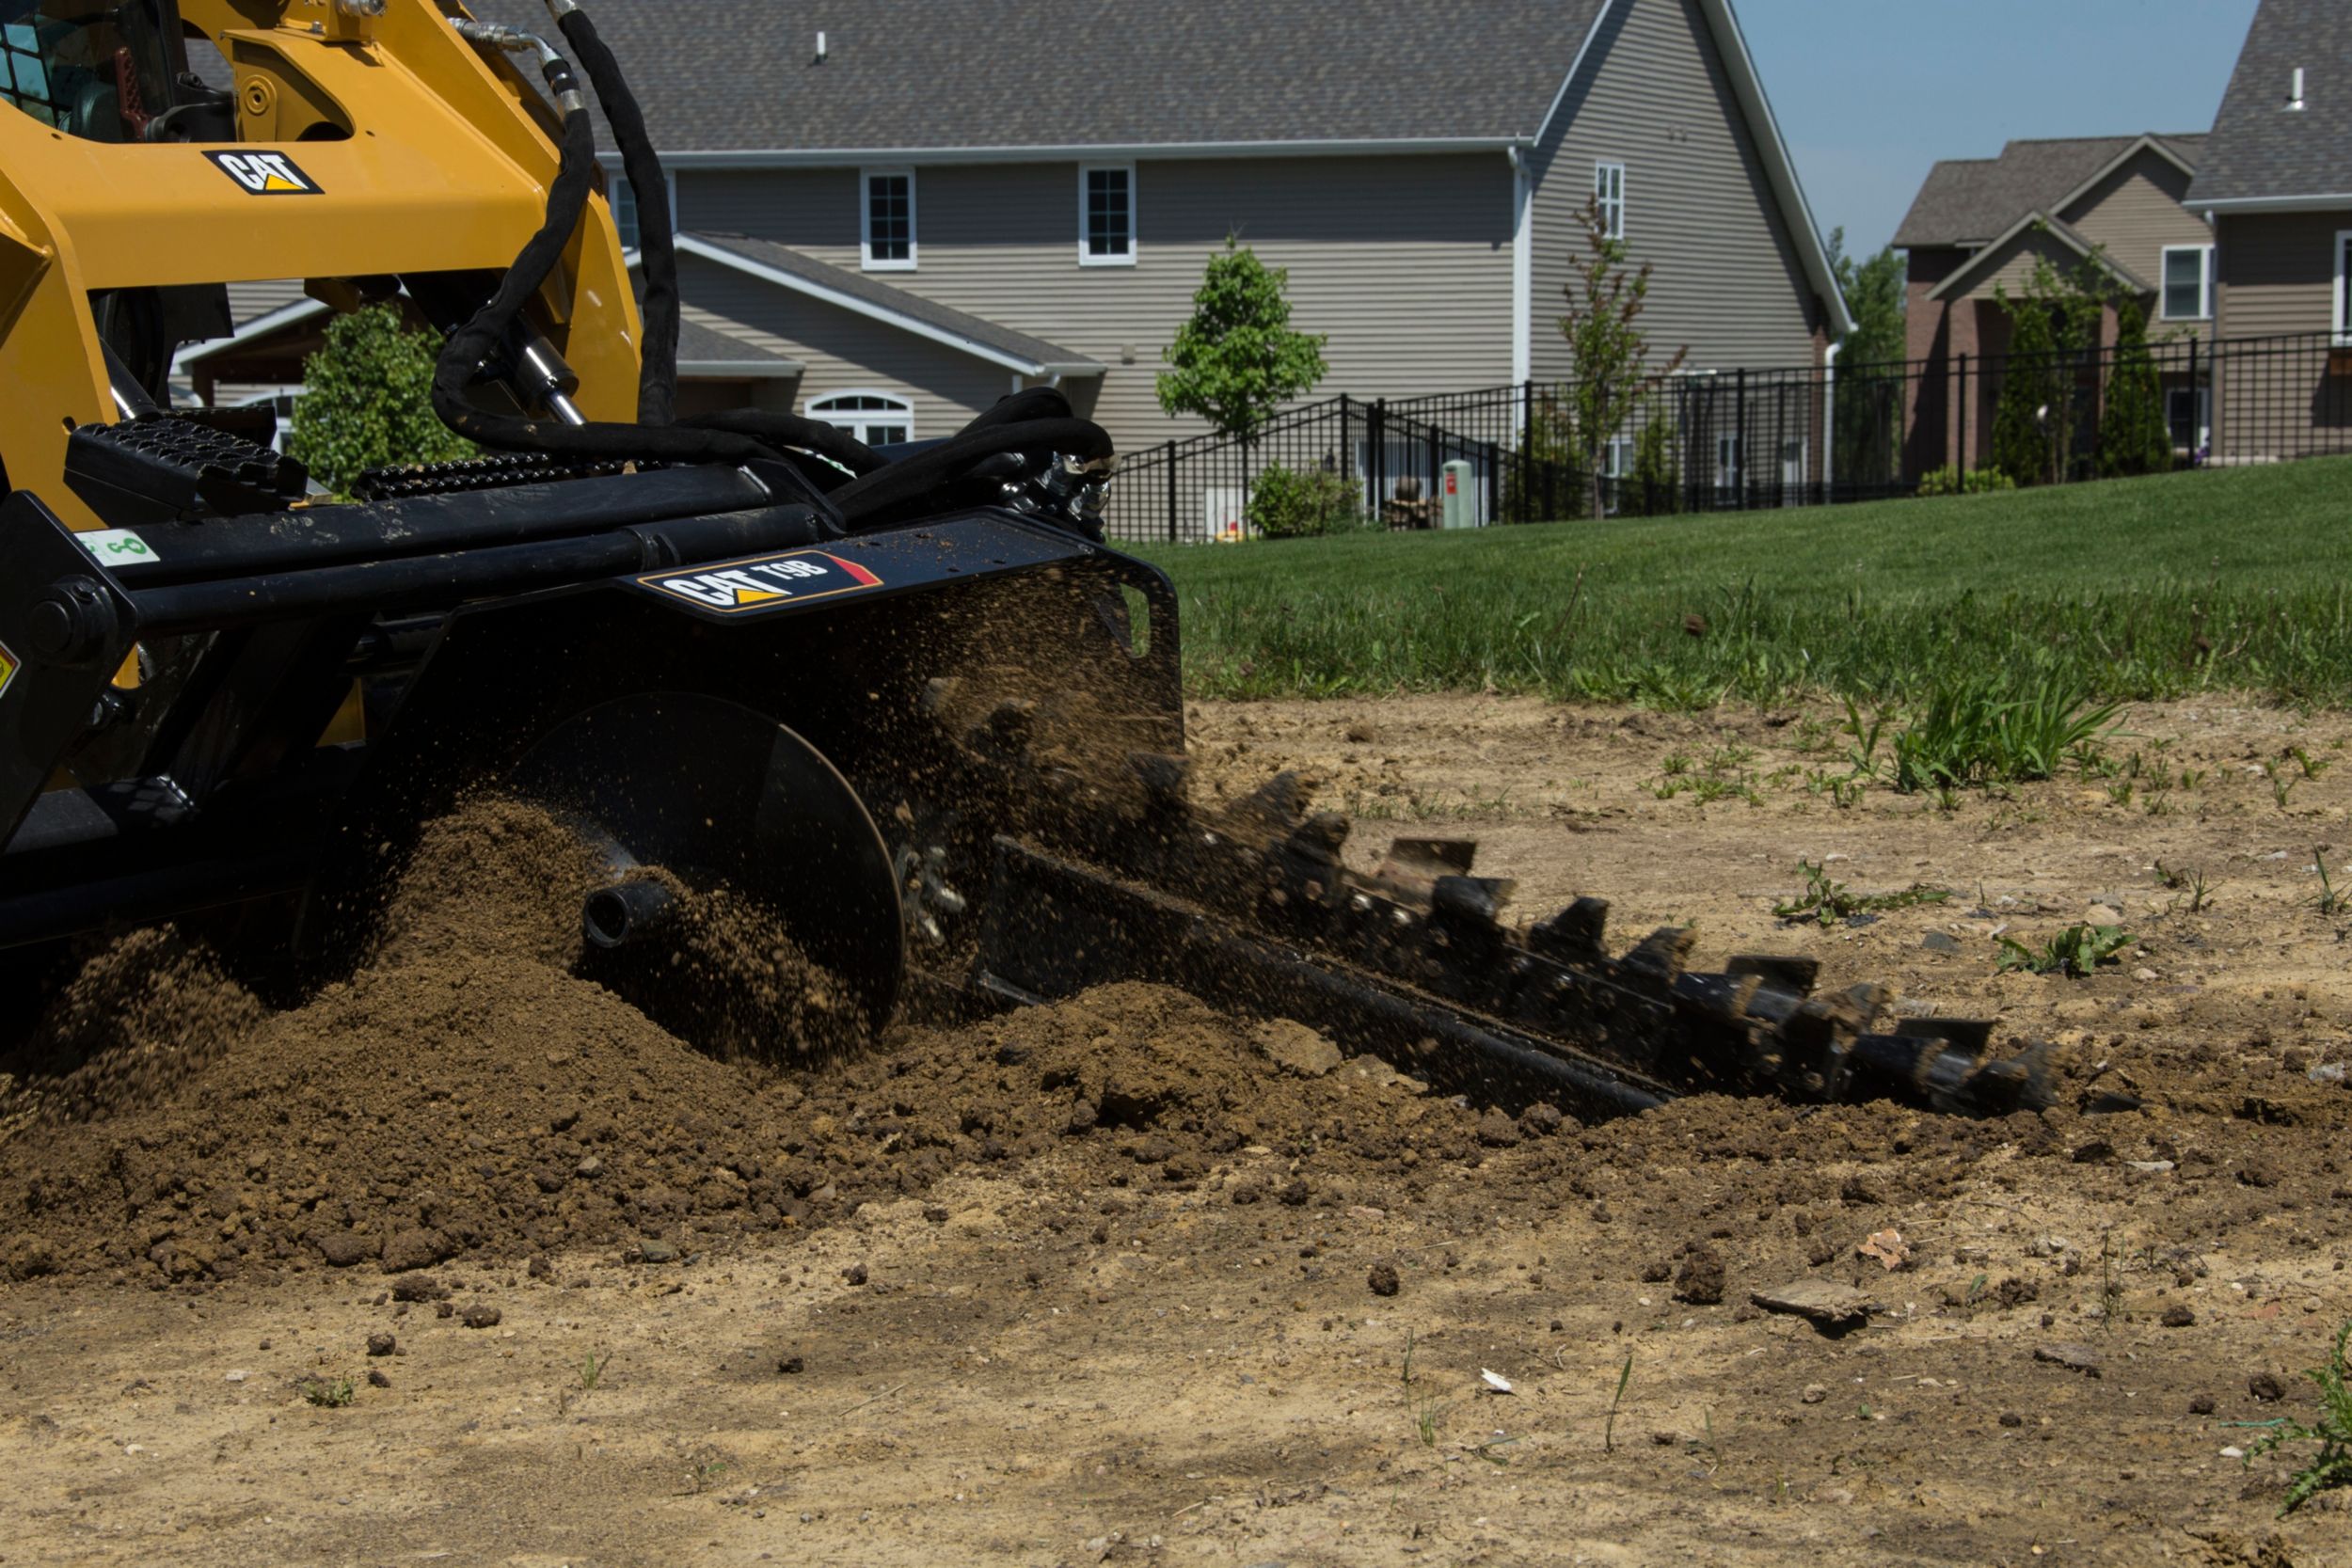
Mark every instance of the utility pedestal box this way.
pixel 1458 494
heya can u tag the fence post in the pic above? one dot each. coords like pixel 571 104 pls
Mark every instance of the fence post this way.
pixel 1740 436
pixel 1171 490
pixel 1494 485
pixel 1347 457
pixel 2192 403
pixel 1376 451
pixel 1960 403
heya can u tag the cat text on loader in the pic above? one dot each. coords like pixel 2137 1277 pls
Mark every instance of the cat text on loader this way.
pixel 902 700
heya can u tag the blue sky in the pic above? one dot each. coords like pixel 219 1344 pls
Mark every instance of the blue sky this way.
pixel 1871 92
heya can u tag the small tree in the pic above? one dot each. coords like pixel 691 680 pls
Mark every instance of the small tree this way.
pixel 368 401
pixel 1866 430
pixel 2133 436
pixel 2055 318
pixel 1237 360
pixel 1542 470
pixel 1611 378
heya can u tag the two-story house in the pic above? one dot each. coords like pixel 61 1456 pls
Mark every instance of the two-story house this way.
pixel 1980 227
pixel 893 212
pixel 2276 181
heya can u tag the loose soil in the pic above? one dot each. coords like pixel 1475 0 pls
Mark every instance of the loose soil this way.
pixel 1123 1279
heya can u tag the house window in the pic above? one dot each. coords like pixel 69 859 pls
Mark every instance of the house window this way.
pixel 2189 412
pixel 1609 192
pixel 886 227
pixel 876 419
pixel 2343 310
pixel 1728 475
pixel 2187 282
pixel 1106 215
pixel 622 197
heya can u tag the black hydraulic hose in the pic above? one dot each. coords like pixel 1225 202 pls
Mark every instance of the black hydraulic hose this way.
pixel 657 246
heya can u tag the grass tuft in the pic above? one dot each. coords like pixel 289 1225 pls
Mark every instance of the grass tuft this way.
pixel 2074 952
pixel 2331 1467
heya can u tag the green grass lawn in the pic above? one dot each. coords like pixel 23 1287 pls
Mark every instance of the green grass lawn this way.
pixel 2227 580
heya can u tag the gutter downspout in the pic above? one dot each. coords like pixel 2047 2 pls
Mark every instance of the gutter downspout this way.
pixel 1523 274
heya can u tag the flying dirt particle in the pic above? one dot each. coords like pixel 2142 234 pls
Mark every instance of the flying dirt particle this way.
pixel 1383 1279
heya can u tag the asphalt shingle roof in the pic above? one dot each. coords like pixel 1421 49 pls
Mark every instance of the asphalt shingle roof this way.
pixel 1970 201
pixel 699 344
pixel 719 75
pixel 858 286
pixel 2259 148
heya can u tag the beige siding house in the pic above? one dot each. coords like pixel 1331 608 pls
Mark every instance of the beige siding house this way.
pixel 920 205
pixel 1979 229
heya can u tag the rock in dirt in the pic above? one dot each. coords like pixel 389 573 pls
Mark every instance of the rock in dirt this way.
pixel 1701 1280
pixel 2201 1405
pixel 1813 1393
pixel 653 1252
pixel 1940 942
pixel 2073 1357
pixel 854 1274
pixel 1824 1303
pixel 415 1249
pixel 382 1344
pixel 481 1315
pixel 1294 1048
pixel 2266 1387
pixel 376 1378
pixel 417 1288
pixel 1383 1279
pixel 342 1248
pixel 1497 1131
pixel 2177 1316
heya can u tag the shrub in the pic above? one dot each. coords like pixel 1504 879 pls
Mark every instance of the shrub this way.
pixel 2132 435
pixel 1654 488
pixel 368 401
pixel 1950 481
pixel 1285 503
pixel 1540 483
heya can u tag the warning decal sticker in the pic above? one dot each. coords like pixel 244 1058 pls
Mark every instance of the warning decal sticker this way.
pixel 264 173
pixel 776 582
pixel 7 669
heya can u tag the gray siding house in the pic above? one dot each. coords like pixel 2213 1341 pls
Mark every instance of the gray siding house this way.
pixel 893 211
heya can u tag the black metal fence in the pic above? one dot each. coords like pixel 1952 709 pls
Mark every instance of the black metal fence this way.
pixel 1746 439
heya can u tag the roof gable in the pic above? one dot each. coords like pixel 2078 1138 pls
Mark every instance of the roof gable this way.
pixel 902 75
pixel 2264 154
pixel 1966 201
pixel 2026 234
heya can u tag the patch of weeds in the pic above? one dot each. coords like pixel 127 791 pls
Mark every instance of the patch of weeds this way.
pixel 1843 789
pixel 1862 754
pixel 1984 733
pixel 1675 764
pixel 2328 900
pixel 2331 1467
pixel 1946 798
pixel 1828 901
pixel 591 1370
pixel 2074 952
pixel 1711 788
pixel 2282 787
pixel 2188 880
pixel 2312 766
pixel 2120 793
pixel 329 1396
pixel 1423 1407
pixel 2192 778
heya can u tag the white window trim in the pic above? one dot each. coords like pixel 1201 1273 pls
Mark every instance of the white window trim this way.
pixel 2205 283
pixel 2342 328
pixel 616 183
pixel 900 402
pixel 1086 258
pixel 1598 165
pixel 865 177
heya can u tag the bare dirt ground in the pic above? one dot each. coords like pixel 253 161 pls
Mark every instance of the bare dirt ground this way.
pixel 1120 1280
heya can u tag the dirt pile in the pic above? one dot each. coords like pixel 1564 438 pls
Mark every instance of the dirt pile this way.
pixel 462 1092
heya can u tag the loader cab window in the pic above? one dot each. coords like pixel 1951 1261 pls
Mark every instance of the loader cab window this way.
pixel 102 71
pixel 876 419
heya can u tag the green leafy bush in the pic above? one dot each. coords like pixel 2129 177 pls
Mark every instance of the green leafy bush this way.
pixel 1950 481
pixel 1285 503
pixel 369 401
pixel 1654 488
pixel 2134 438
